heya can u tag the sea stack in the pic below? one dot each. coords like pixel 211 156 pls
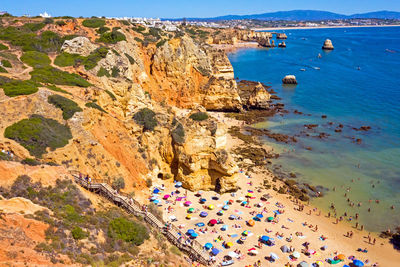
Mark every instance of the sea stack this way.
pixel 289 79
pixel 327 45
pixel 282 44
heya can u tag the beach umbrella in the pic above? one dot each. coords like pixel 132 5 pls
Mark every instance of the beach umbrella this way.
pixel 215 251
pixel 232 217
pixel 284 249
pixel 302 264
pixel 273 256
pixel 229 244
pixel 264 238
pixel 194 235
pixel 178 184
pixel 245 233
pixel 244 203
pixel 358 263
pixel 253 251
pixel 156 201
pixel 224 227
pixel 249 195
pixel 200 224
pixel 189 216
pixel 260 204
pixel 296 254
pixel 208 245
pixel 230 201
pixel 211 207
pixel 221 212
pixel 153 198
pixel 270 219
pixel 203 214
pixel 203 200
pixel 190 231
pixel 156 191
pixel 213 222
pixel 166 196
pixel 259 216
pixel 320 264
pixel 341 257
pixel 190 210
pixel 225 207
pixel 187 203
pixel 251 222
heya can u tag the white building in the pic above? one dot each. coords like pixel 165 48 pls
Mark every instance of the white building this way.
pixel 45 15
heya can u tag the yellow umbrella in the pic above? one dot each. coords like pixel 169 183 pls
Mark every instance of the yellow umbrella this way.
pixel 189 216
pixel 229 244
pixel 320 264
pixel 211 207
pixel 249 194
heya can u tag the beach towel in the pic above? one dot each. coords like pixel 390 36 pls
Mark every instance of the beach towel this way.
pixel 233 235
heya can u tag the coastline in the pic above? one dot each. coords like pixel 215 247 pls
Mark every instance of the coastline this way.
pixel 320 27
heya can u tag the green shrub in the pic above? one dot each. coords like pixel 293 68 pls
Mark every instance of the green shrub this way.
pixel 37 133
pixel 78 234
pixel 3 70
pixel 118 184
pixel 116 52
pixel 56 89
pixel 199 116
pixel 128 231
pixel 48 21
pixel 131 59
pixel 103 72
pixel 114 71
pixel 55 76
pixel 6 63
pixel 161 43
pixel 125 22
pixel 70 214
pixel 137 39
pixel 3 47
pixel 30 162
pixel 111 95
pixel 66 59
pixel 4 156
pixel 112 37
pixel 93 23
pixel 139 29
pixel 95 106
pixel 68 106
pixel 61 23
pixel 102 30
pixel 33 27
pixel 146 118
pixel 16 87
pixel 35 59
pixel 178 134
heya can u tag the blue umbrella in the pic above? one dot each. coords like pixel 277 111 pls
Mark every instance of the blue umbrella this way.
pixel 190 231
pixel 178 184
pixel 156 191
pixel 194 235
pixel 153 198
pixel 358 263
pixel 265 238
pixel 259 216
pixel 215 251
pixel 203 200
pixel 200 224
pixel 156 201
pixel 225 207
pixel 232 217
pixel 223 228
pixel 208 245
pixel 203 214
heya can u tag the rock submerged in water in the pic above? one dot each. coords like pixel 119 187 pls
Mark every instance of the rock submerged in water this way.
pixel 328 45
pixel 289 79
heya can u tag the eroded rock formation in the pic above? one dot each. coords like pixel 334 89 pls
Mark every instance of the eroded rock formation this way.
pixel 328 45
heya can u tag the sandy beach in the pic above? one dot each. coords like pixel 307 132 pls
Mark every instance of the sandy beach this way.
pixel 320 27
pixel 290 227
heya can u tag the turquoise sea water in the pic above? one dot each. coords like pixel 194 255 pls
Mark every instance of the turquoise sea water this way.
pixel 356 84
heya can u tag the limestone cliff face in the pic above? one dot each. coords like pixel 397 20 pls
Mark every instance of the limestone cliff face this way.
pixel 254 95
pixel 201 161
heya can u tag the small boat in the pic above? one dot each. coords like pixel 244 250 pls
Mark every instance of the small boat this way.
pixel 303 69
pixel 390 51
pixel 316 68
pixel 319 56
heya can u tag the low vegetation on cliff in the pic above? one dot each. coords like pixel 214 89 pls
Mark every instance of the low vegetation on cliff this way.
pixel 14 88
pixel 37 134
pixel 146 118
pixel 66 59
pixel 68 106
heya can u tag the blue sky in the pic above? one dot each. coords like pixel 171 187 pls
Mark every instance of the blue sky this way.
pixel 188 8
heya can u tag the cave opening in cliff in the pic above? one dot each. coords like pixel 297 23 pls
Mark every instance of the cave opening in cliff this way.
pixel 160 175
pixel 217 185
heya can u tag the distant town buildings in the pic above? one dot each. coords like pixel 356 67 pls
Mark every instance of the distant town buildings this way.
pixel 3 13
pixel 45 15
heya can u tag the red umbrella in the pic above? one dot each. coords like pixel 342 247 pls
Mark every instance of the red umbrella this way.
pixel 213 221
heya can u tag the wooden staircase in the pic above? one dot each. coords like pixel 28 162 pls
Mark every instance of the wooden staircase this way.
pixel 194 249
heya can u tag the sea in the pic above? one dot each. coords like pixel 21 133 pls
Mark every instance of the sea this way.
pixel 357 84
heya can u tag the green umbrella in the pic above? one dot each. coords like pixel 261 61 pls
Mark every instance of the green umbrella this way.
pixel 270 219
pixel 190 210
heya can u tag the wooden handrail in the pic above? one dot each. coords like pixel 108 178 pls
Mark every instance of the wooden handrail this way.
pixel 194 249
